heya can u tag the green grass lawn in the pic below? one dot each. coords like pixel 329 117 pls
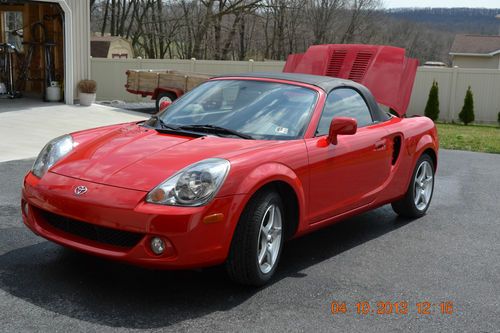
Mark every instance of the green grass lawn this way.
pixel 480 138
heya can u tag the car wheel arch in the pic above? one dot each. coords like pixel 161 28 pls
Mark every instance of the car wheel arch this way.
pixel 290 202
pixel 414 147
pixel 428 149
pixel 432 153
pixel 284 181
pixel 425 145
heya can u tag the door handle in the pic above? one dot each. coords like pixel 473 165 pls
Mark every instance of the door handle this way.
pixel 380 145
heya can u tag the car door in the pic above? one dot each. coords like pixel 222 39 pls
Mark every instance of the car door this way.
pixel 349 174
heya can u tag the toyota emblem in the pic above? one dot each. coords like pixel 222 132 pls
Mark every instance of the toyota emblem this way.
pixel 80 190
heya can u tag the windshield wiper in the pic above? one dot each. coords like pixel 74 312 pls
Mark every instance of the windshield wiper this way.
pixel 164 124
pixel 216 130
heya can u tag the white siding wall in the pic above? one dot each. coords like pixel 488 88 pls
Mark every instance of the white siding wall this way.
pixel 81 41
pixel 120 46
pixel 477 62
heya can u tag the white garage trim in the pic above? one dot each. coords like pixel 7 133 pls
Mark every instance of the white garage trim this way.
pixel 69 83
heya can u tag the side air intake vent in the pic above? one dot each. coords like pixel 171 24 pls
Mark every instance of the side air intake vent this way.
pixel 335 63
pixel 360 66
pixel 396 149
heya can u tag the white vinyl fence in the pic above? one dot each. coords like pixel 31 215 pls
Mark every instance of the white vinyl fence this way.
pixel 453 82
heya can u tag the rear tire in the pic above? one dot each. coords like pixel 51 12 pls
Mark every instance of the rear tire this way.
pixel 258 240
pixel 419 194
pixel 164 96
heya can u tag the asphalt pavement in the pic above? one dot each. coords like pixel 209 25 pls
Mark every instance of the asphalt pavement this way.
pixel 450 255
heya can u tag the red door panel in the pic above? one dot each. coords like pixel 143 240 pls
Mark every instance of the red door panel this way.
pixel 347 175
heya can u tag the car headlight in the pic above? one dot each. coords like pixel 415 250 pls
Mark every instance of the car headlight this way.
pixel 51 153
pixel 194 185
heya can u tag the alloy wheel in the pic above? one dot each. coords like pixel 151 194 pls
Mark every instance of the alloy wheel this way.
pixel 269 240
pixel 424 185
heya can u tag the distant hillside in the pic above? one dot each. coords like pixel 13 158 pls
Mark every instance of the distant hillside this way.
pixel 454 20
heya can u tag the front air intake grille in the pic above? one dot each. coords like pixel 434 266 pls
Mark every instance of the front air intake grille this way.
pixel 114 237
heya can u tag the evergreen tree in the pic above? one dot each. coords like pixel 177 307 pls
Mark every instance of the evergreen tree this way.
pixel 467 114
pixel 432 107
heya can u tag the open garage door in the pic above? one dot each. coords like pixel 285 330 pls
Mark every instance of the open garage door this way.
pixel 32 63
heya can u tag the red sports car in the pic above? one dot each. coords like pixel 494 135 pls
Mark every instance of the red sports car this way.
pixel 230 171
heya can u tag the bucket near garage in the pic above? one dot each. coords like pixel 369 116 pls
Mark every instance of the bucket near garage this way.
pixel 54 92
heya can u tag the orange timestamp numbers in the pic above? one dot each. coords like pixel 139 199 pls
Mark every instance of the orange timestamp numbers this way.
pixel 388 308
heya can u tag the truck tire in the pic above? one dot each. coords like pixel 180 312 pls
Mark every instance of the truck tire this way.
pixel 164 97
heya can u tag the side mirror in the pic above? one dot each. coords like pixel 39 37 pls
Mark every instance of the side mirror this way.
pixel 341 126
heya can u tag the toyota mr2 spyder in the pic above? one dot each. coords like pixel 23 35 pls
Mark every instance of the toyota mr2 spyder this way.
pixel 237 166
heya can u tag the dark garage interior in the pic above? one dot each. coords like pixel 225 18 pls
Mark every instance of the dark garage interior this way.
pixel 31 51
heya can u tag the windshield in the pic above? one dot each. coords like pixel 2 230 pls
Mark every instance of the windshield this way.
pixel 258 109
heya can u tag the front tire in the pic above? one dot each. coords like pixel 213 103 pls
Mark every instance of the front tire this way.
pixel 419 194
pixel 258 240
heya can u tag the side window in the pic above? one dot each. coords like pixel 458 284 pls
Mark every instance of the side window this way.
pixel 344 102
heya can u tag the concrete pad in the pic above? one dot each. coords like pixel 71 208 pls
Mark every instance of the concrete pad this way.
pixel 27 125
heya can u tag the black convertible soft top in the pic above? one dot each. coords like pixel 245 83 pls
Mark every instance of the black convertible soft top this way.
pixel 326 83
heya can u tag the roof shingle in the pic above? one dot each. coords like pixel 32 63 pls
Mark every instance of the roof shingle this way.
pixel 475 44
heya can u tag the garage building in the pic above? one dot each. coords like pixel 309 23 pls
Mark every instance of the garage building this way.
pixel 44 44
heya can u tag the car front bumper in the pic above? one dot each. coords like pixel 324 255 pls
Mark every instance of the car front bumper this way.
pixel 117 223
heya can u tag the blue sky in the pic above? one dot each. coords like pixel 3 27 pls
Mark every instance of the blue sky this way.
pixel 442 3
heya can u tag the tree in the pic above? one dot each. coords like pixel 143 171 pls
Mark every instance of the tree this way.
pixel 259 29
pixel 360 13
pixel 467 113
pixel 321 14
pixel 432 107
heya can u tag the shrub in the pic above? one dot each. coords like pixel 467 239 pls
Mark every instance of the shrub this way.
pixel 87 86
pixel 432 107
pixel 498 118
pixel 467 113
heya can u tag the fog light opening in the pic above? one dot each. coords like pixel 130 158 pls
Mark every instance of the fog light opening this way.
pixel 157 245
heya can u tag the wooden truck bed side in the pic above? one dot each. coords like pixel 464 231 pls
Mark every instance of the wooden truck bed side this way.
pixel 150 83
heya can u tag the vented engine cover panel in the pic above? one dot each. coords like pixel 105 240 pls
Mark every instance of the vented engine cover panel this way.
pixel 385 70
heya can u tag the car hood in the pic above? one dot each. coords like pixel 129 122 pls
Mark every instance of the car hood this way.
pixel 138 158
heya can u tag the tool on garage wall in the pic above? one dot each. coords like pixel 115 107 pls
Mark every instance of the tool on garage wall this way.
pixel 7 83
